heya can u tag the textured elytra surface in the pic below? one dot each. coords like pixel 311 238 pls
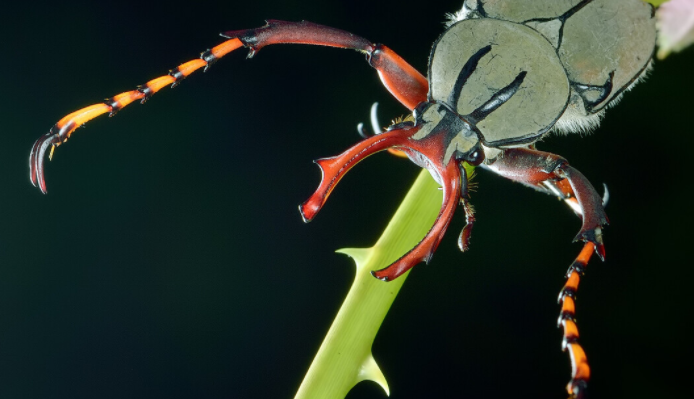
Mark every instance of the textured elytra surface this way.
pixel 608 36
pixel 594 38
pixel 515 48
pixel 549 29
pixel 525 10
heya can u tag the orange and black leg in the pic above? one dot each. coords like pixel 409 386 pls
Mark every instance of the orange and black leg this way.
pixel 62 130
pixel 551 173
pixel 580 370
pixel 402 80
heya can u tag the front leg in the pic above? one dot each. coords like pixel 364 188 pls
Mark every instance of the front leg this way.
pixel 534 168
pixel 404 82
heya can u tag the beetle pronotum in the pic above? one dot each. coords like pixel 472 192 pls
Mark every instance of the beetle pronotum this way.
pixel 503 75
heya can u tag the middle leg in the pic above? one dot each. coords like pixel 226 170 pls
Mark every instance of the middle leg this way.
pixel 534 168
pixel 551 173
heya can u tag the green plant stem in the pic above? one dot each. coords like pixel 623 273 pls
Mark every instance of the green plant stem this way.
pixel 345 358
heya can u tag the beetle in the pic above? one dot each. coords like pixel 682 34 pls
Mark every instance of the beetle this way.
pixel 502 76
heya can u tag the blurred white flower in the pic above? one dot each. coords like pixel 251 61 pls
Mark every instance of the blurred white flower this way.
pixel 675 21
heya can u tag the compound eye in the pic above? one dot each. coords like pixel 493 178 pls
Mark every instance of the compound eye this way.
pixel 475 157
pixel 419 109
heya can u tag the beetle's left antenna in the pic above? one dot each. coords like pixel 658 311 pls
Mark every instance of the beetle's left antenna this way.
pixel 375 124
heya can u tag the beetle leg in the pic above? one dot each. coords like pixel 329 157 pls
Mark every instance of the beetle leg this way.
pixel 580 370
pixel 422 252
pixel 577 192
pixel 534 167
pixel 62 130
pixel 464 238
pixel 405 83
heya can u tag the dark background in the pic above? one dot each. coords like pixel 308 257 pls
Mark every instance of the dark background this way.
pixel 169 261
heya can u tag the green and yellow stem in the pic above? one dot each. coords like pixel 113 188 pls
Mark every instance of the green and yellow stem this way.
pixel 344 359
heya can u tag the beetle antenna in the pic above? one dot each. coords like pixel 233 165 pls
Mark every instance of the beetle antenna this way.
pixel 363 132
pixel 605 195
pixel 373 116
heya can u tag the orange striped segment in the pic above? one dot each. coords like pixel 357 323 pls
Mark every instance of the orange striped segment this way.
pixel 225 48
pixel 72 121
pixel 62 130
pixel 116 103
pixel 580 370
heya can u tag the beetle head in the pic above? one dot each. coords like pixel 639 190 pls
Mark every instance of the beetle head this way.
pixel 458 137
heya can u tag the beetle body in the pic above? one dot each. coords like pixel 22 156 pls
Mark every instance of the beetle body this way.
pixel 603 46
pixel 502 75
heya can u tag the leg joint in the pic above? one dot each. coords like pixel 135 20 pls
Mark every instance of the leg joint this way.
pixel 555 164
pixel 375 55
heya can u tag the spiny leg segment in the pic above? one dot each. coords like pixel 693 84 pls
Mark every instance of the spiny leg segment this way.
pixel 464 237
pixel 405 83
pixel 535 168
pixel 550 173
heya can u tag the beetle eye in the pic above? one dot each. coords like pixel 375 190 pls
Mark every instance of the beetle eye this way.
pixel 419 109
pixel 475 157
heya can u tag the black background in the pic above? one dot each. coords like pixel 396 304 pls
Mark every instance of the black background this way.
pixel 169 260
